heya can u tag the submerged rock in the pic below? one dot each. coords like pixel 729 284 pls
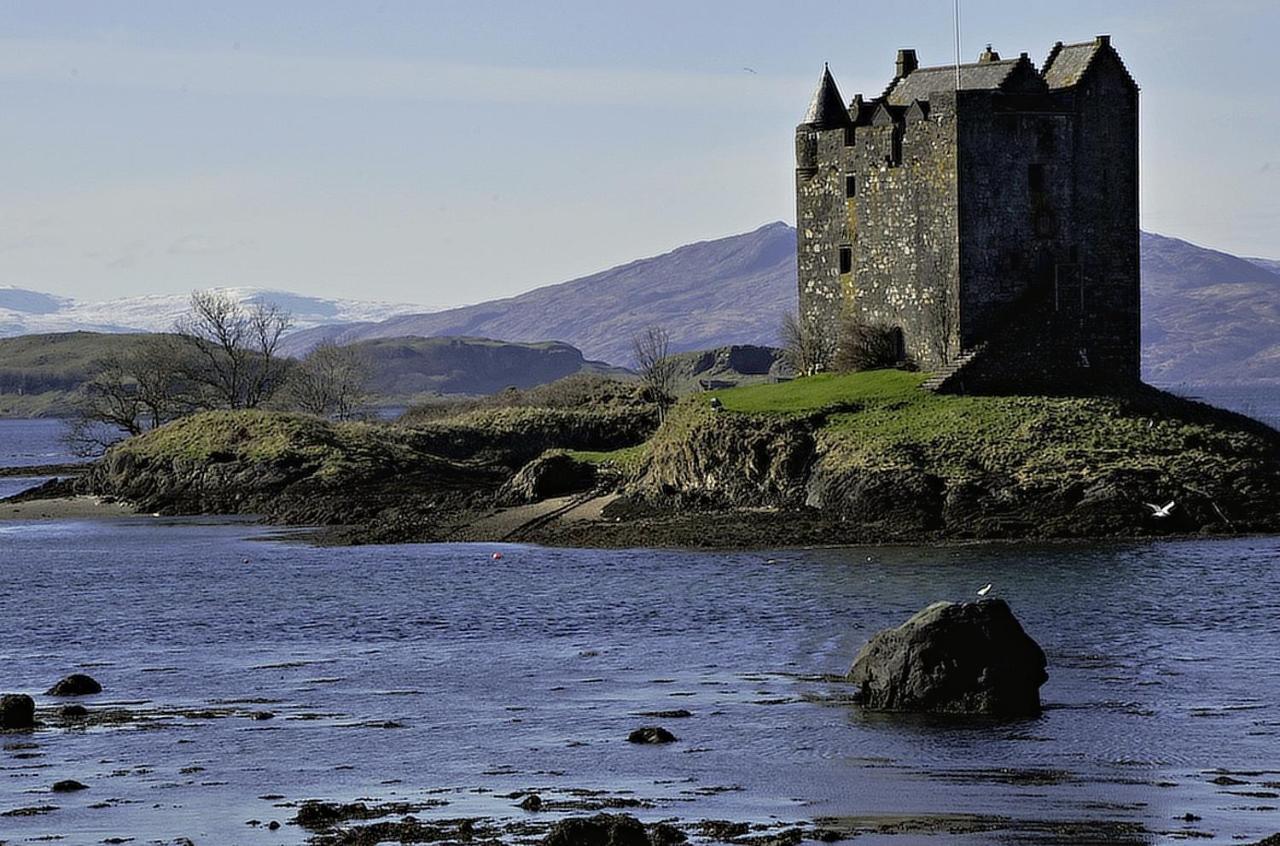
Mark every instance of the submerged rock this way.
pixel 532 802
pixel 76 684
pixel 651 734
pixel 17 711
pixel 73 712
pixel 550 475
pixel 969 658
pixel 600 830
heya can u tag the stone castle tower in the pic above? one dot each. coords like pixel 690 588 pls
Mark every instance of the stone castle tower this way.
pixel 992 225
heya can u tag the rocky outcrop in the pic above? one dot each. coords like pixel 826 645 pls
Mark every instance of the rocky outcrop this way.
pixel 550 475
pixel 76 684
pixel 722 459
pixel 968 658
pixel 651 735
pixel 17 711
pixel 600 830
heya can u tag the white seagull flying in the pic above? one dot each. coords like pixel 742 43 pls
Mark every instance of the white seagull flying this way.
pixel 1160 511
pixel 985 589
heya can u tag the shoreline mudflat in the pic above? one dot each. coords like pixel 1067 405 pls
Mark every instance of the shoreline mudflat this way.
pixel 81 507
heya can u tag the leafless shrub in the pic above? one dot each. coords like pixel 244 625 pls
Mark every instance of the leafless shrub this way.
pixel 808 346
pixel 866 346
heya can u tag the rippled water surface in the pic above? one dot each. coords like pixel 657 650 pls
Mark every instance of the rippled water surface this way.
pixel 408 671
pixel 29 443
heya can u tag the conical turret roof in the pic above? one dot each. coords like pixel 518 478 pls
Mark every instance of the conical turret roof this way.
pixel 826 109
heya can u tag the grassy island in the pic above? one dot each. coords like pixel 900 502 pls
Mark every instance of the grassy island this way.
pixel 863 457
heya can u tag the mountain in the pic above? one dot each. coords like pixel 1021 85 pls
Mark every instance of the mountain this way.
pixel 709 294
pixel 1208 316
pixel 24 312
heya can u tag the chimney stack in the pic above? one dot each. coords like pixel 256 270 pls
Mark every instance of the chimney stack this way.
pixel 907 62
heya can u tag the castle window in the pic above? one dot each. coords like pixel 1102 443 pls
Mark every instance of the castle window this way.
pixel 850 185
pixel 846 259
pixel 1035 178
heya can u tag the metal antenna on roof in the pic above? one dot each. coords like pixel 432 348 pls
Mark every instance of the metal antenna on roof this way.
pixel 956 18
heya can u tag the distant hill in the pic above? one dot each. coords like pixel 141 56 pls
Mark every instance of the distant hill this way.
pixel 1208 316
pixel 24 312
pixel 39 374
pixel 409 367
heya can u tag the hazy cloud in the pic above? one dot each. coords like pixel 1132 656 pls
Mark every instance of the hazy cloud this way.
pixel 240 72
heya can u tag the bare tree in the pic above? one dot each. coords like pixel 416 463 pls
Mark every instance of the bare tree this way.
pixel 332 381
pixel 808 345
pixel 652 350
pixel 233 349
pixel 127 394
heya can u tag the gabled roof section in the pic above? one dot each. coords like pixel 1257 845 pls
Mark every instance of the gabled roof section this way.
pixel 826 109
pixel 1068 63
pixel 992 75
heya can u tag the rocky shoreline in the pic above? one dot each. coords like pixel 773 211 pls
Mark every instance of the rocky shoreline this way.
pixel 766 467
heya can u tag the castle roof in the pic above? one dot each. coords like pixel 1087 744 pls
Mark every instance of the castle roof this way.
pixel 1068 63
pixel 922 82
pixel 826 110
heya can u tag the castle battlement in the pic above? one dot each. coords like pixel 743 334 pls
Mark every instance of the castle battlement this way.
pixel 968 217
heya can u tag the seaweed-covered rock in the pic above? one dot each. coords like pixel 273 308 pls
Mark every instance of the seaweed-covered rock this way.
pixel 550 475
pixel 651 734
pixel 17 711
pixel 76 684
pixel 600 830
pixel 968 658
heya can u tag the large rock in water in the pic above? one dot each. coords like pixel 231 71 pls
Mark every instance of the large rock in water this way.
pixel 17 711
pixel 969 658
pixel 76 684
pixel 550 475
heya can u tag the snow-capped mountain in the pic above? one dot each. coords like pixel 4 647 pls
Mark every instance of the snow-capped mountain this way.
pixel 23 312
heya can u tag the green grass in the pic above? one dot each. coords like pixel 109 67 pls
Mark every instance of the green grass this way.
pixel 882 419
pixel 827 390
pixel 329 450
pixel 628 460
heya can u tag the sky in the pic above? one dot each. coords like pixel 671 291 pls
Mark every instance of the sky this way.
pixel 442 153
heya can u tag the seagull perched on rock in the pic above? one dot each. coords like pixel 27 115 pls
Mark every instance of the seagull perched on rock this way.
pixel 985 589
pixel 1160 511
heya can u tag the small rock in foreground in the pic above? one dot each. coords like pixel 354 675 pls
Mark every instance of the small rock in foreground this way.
pixel 17 711
pixel 600 830
pixel 69 786
pixel 76 684
pixel 651 734
pixel 532 802
pixel 968 658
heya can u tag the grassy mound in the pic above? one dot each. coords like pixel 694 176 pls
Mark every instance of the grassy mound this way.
pixel 307 444
pixel 875 447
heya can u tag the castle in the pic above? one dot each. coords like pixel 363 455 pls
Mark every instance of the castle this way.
pixel 986 214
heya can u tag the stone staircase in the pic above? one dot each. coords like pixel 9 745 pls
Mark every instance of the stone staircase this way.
pixel 942 378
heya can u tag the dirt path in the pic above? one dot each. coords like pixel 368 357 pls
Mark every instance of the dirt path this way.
pixel 514 523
